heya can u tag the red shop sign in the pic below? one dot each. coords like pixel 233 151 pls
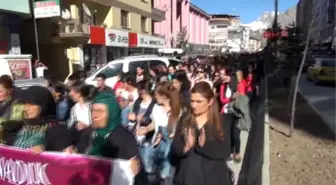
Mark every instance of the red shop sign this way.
pixel 268 34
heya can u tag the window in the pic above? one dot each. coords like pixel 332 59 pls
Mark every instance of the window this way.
pixel 144 24
pixel 155 64
pixel 133 66
pixel 112 70
pixel 124 19
pixel 173 62
pixel 212 27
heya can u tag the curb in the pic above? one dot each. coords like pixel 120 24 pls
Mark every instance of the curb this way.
pixel 266 158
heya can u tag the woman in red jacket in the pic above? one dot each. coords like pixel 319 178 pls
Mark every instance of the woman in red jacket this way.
pixel 242 83
pixel 225 90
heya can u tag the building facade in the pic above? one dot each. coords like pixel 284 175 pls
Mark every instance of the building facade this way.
pixel 325 21
pixel 11 15
pixel 184 23
pixel 198 38
pixel 322 13
pixel 176 20
pixel 238 38
pixel 227 34
pixel 90 33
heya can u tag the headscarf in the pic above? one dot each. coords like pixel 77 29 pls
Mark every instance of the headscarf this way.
pixel 42 97
pixel 113 120
pixel 33 131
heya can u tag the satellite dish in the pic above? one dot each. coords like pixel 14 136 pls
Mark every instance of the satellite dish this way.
pixel 65 14
pixel 86 10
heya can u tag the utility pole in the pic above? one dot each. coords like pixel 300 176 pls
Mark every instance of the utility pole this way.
pixel 31 5
pixel 275 25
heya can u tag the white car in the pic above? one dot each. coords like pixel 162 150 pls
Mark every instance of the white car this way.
pixel 129 64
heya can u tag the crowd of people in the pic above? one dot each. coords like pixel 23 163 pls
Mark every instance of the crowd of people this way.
pixel 177 122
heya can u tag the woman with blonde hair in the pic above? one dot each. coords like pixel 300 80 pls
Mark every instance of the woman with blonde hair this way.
pixel 200 146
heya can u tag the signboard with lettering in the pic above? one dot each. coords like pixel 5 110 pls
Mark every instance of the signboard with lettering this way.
pixel 47 8
pixel 147 41
pixel 217 41
pixel 48 168
pixel 116 38
pixel 20 68
pixel 15 44
pixel 268 34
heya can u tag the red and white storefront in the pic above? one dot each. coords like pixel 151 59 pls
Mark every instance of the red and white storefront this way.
pixel 112 43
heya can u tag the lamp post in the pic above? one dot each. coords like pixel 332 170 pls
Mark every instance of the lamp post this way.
pixel 31 6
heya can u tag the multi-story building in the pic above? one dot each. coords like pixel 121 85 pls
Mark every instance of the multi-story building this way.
pixel 322 13
pixel 227 34
pixel 254 44
pixel 198 30
pixel 184 23
pixel 176 21
pixel 89 33
pixel 218 33
pixel 304 15
pixel 325 20
pixel 11 15
pixel 238 38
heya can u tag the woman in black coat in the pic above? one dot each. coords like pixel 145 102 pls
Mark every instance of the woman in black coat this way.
pixel 200 148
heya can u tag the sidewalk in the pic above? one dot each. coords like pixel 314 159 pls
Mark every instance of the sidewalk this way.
pixel 236 167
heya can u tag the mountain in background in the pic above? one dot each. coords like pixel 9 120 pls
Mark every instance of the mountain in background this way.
pixel 265 21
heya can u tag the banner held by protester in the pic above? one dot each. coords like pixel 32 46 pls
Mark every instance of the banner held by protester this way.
pixel 24 167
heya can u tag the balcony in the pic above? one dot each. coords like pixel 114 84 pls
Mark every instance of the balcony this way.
pixel 158 15
pixel 74 28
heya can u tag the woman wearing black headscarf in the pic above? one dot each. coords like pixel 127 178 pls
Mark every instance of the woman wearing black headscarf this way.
pixel 39 124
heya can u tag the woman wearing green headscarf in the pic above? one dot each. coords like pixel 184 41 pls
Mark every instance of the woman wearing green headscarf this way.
pixel 109 138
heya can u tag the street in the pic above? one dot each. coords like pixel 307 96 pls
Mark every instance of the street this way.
pixel 321 98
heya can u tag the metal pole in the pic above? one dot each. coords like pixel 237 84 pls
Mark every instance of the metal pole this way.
pixel 276 4
pixel 275 25
pixel 31 2
pixel 292 117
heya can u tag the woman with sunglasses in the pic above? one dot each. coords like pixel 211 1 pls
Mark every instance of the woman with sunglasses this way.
pixel 200 76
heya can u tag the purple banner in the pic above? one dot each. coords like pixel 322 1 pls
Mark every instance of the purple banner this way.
pixel 22 167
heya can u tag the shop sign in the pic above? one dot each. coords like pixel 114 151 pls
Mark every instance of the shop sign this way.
pixel 216 41
pixel 15 45
pixel 20 68
pixel 146 41
pixel 116 38
pixel 268 34
pixel 47 8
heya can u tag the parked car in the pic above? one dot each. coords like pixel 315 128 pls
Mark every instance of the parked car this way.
pixel 129 64
pixel 322 71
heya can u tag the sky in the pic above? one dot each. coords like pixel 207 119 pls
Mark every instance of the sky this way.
pixel 248 10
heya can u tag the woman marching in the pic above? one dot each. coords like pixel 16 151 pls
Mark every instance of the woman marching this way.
pixel 199 147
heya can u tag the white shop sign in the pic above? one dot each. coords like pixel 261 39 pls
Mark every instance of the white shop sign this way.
pixel 147 41
pixel 15 48
pixel 116 38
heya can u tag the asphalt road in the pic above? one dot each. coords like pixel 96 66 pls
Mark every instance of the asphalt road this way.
pixel 321 98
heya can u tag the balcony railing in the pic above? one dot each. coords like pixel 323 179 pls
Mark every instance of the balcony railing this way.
pixel 158 15
pixel 73 28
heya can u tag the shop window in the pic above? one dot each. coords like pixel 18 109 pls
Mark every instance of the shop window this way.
pixel 124 19
pixel 112 70
pixel 133 66
pixel 144 24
